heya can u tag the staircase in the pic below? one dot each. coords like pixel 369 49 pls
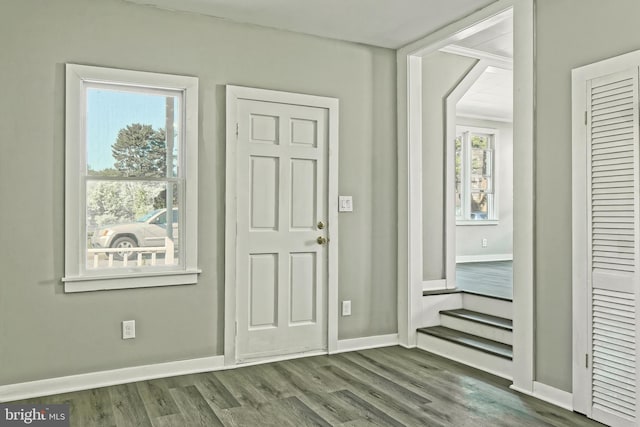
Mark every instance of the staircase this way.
pixel 479 334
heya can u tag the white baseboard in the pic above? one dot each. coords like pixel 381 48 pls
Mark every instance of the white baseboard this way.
pixel 366 343
pixel 71 383
pixel 557 397
pixel 484 258
pixel 91 380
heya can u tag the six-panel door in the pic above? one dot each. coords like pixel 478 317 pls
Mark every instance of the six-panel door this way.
pixel 282 210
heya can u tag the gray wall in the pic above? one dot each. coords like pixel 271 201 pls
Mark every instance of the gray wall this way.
pixel 570 33
pixel 45 333
pixel 441 73
pixel 499 237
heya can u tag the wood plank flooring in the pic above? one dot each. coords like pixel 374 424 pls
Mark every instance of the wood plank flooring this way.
pixel 391 386
pixel 486 278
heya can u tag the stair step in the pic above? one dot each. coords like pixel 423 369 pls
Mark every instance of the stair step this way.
pixel 485 295
pixel 462 338
pixel 484 304
pixel 477 317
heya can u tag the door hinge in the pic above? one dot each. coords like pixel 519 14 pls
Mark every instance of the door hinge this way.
pixel 586 360
pixel 585 118
pixel 237 129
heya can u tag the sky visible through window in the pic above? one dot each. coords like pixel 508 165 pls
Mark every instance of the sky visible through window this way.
pixel 108 111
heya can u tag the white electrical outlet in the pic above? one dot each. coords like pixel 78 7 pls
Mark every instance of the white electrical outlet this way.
pixel 128 329
pixel 485 243
pixel 346 308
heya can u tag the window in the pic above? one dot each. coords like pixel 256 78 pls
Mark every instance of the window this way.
pixel 475 175
pixel 131 157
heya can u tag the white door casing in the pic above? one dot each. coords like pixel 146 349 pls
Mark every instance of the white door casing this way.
pixel 606 235
pixel 281 296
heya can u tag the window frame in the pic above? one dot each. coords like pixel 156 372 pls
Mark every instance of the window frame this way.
pixel 76 277
pixel 466 191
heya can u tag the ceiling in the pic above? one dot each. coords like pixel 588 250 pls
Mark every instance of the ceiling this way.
pixel 496 40
pixel 385 23
pixel 491 96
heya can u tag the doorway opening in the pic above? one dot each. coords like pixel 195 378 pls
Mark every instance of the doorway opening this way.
pixel 419 255
pixel 479 147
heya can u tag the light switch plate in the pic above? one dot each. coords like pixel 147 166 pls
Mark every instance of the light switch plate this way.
pixel 128 329
pixel 345 203
pixel 346 308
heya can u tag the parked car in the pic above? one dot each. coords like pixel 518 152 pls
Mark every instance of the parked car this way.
pixel 149 230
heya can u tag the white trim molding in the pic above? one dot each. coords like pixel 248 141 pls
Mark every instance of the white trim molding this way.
pixel 364 343
pixel 409 72
pixel 555 396
pixel 71 383
pixel 524 207
pixel 79 276
pixel 483 258
pixel 499 61
pixel 92 380
pixel 434 285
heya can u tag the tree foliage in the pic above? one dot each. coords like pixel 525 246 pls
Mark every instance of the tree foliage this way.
pixel 141 151
pixel 110 202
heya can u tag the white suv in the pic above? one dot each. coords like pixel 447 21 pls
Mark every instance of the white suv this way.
pixel 148 231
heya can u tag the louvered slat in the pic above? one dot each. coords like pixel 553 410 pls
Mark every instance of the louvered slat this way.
pixel 613 212
pixel 614 351
pixel 612 168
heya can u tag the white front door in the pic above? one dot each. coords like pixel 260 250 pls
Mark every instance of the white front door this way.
pixel 281 217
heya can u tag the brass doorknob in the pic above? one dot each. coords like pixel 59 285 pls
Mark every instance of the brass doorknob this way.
pixel 321 240
pixel 320 225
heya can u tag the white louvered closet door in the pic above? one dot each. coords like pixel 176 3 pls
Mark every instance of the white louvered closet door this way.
pixel 614 263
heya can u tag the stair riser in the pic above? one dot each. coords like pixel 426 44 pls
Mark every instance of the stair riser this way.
pixel 471 357
pixel 477 329
pixel 433 304
pixel 486 305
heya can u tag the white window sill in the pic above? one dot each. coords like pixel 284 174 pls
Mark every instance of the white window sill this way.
pixel 131 281
pixel 477 222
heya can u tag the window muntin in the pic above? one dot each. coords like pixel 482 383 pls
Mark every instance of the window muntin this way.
pixel 128 151
pixel 475 174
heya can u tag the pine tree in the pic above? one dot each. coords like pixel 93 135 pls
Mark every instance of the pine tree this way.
pixel 140 150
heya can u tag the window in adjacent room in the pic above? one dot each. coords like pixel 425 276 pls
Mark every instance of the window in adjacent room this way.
pixel 475 174
pixel 131 158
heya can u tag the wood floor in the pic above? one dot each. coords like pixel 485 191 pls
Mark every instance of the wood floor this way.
pixel 392 386
pixel 486 278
